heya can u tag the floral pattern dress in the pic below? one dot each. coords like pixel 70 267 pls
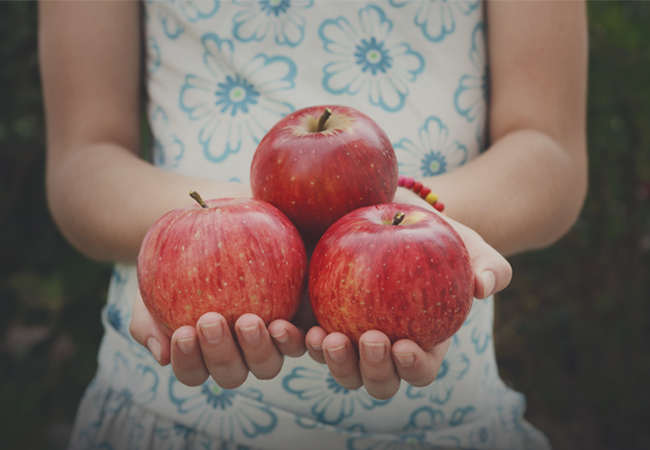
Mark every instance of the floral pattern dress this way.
pixel 220 74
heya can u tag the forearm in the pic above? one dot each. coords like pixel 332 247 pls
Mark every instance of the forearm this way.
pixel 523 193
pixel 104 199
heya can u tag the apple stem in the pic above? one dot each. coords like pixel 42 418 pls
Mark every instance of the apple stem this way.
pixel 323 118
pixel 195 195
pixel 398 218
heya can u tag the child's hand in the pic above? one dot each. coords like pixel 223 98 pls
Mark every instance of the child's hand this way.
pixel 209 349
pixel 379 366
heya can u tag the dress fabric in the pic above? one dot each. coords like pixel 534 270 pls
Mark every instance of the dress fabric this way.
pixel 220 74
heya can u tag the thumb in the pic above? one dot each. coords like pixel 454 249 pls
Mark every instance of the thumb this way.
pixel 147 333
pixel 492 272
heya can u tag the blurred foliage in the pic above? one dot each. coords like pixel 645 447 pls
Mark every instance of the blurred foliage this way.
pixel 50 296
pixel 572 331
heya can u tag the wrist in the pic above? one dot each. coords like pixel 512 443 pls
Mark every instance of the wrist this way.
pixel 425 193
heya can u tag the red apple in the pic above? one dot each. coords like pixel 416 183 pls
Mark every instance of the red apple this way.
pixel 399 269
pixel 320 163
pixel 231 256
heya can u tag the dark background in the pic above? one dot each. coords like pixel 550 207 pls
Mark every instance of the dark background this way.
pixel 572 331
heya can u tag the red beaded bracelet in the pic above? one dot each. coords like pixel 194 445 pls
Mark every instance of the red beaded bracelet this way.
pixel 424 192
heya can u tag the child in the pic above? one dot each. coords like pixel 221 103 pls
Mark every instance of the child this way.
pixel 219 74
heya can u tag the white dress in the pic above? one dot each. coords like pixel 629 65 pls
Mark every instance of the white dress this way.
pixel 220 74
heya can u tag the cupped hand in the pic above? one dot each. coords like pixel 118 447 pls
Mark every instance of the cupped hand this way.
pixel 492 272
pixel 380 366
pixel 210 349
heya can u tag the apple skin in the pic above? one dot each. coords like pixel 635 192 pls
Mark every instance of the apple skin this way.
pixel 410 281
pixel 237 256
pixel 316 177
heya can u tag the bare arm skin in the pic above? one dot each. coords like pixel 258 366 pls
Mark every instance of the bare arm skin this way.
pixel 528 188
pixel 102 195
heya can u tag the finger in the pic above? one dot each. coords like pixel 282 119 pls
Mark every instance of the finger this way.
pixel 376 365
pixel 492 272
pixel 148 333
pixel 314 344
pixel 186 357
pixel 260 354
pixel 415 366
pixel 220 351
pixel 288 338
pixel 342 360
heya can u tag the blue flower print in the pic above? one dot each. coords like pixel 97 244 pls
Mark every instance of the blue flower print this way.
pixel 407 440
pixel 481 339
pixel 480 320
pixel 234 102
pixel 192 10
pixel 235 95
pixel 471 95
pixel 372 55
pixel 131 385
pixel 117 313
pixel 436 17
pixel 280 20
pixel 228 413
pixel 425 418
pixel 168 149
pixel 453 369
pixel 195 10
pixel 458 417
pixel 177 436
pixel 432 154
pixel 490 380
pixel 483 436
pixel 114 317
pixel 368 59
pixel 153 55
pixel 330 402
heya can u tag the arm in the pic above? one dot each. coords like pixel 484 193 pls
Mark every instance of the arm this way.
pixel 528 188
pixel 523 193
pixel 102 195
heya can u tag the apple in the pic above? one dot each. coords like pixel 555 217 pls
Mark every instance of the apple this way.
pixel 320 163
pixel 396 268
pixel 231 256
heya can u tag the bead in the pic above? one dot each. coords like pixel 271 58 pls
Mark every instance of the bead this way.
pixel 431 198
pixel 421 190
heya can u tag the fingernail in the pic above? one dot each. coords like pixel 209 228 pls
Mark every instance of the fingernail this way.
pixel 186 345
pixel 489 281
pixel 338 354
pixel 405 359
pixel 374 351
pixel 282 337
pixel 213 332
pixel 252 334
pixel 317 347
pixel 155 348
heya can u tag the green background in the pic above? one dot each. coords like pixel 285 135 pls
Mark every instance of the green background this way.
pixel 572 331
